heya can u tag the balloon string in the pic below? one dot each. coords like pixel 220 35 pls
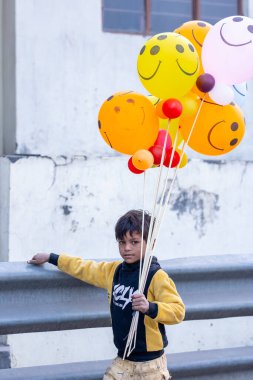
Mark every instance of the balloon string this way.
pixel 176 170
pixel 155 238
pixel 165 186
pixel 153 219
pixel 146 261
pixel 130 337
pixel 155 230
pixel 142 227
pixel 157 224
pixel 134 334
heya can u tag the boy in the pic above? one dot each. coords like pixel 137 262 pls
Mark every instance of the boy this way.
pixel 160 304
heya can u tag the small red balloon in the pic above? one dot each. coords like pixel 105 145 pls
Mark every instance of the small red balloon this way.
pixel 175 159
pixel 132 168
pixel 157 152
pixel 161 138
pixel 172 108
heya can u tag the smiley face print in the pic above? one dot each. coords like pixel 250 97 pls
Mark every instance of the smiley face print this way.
pixel 218 129
pixel 227 51
pixel 195 31
pixel 168 65
pixel 240 92
pixel 127 122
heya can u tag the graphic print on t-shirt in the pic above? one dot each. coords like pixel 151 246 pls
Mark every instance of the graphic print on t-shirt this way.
pixel 122 295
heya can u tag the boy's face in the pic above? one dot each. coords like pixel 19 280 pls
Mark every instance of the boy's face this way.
pixel 130 247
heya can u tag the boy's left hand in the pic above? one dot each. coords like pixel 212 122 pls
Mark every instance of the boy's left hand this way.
pixel 140 303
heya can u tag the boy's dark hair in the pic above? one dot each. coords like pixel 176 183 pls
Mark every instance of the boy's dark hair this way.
pixel 132 222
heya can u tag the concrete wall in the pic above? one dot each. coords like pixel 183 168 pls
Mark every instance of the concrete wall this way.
pixel 66 206
pixel 68 196
pixel 66 67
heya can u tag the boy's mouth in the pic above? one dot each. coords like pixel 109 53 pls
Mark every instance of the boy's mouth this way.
pixel 128 257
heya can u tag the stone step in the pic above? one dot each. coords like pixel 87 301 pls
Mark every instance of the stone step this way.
pixel 4 357
pixel 223 364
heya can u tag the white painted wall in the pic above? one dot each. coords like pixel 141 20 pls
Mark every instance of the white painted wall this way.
pixel 72 206
pixel 65 68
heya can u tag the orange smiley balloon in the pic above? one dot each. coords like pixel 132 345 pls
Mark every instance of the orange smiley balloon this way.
pixel 128 122
pixel 218 129
pixel 195 31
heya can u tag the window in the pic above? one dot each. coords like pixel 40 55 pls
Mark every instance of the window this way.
pixel 150 17
pixel 167 15
pixel 214 10
pixel 127 16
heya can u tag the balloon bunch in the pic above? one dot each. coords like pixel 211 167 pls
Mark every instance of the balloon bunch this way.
pixel 192 76
pixel 168 66
pixel 161 152
pixel 173 132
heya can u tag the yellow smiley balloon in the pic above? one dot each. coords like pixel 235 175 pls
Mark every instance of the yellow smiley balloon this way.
pixel 196 32
pixel 168 65
pixel 218 129
pixel 128 122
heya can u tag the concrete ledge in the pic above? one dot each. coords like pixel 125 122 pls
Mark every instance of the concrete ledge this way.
pixel 214 364
pixel 44 299
pixel 5 361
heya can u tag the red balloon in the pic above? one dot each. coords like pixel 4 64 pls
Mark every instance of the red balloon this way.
pixel 175 159
pixel 172 108
pixel 132 168
pixel 157 152
pixel 161 137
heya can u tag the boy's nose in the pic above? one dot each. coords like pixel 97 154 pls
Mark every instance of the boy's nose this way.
pixel 128 247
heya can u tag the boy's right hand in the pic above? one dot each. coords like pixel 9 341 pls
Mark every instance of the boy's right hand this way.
pixel 39 258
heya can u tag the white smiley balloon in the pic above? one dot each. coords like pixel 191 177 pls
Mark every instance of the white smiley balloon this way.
pixel 227 51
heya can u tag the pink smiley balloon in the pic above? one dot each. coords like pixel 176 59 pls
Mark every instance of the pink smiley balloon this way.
pixel 227 51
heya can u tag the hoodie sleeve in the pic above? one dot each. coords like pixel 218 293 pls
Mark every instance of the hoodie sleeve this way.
pixel 170 307
pixel 95 273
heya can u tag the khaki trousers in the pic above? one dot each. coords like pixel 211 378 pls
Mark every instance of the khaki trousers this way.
pixel 127 370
